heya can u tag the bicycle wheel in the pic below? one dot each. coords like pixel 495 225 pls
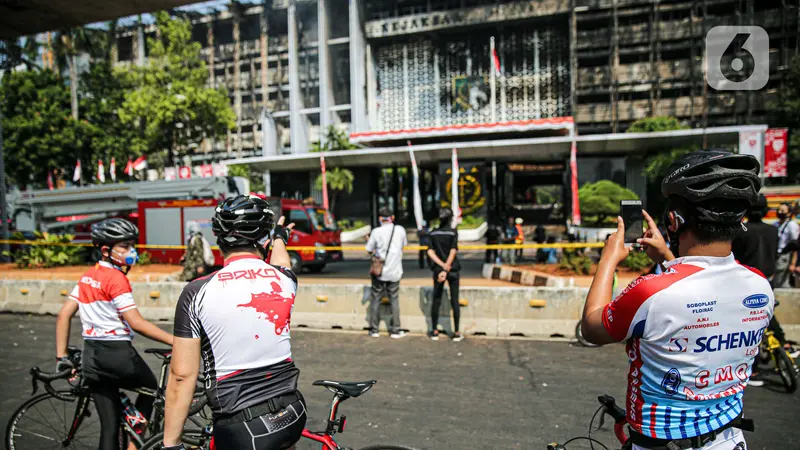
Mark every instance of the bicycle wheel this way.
pixel 581 339
pixel 785 369
pixel 387 447
pixel 43 422
pixel 192 439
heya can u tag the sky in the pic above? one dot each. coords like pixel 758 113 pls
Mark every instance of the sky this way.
pixel 201 7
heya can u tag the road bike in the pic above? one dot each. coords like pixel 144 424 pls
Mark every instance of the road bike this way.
pixel 771 348
pixel 66 418
pixel 202 438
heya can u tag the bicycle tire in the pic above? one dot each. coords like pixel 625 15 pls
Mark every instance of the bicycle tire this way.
pixel 785 369
pixel 581 339
pixel 189 437
pixel 387 447
pixel 10 438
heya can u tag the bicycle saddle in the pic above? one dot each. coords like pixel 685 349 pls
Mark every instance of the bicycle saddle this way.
pixel 161 352
pixel 348 388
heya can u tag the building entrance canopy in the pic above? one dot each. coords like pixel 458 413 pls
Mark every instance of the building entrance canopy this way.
pixel 530 149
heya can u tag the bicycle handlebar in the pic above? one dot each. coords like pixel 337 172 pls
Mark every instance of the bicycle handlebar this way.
pixel 47 378
pixel 618 414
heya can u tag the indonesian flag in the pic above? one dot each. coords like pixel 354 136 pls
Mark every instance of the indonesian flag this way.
pixel 140 163
pixel 101 173
pixel 76 176
pixel 496 61
pixel 454 190
pixel 417 197
pixel 573 168
pixel 112 170
pixel 50 180
pixel 129 168
pixel 324 183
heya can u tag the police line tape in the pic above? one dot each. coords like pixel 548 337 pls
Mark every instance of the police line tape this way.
pixel 334 247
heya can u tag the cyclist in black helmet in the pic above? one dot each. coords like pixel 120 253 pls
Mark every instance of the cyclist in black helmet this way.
pixel 692 331
pixel 237 319
pixel 109 318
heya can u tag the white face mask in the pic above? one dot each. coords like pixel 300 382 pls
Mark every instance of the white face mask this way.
pixel 129 259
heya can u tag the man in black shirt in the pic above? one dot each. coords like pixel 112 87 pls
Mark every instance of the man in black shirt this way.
pixel 757 246
pixel 445 266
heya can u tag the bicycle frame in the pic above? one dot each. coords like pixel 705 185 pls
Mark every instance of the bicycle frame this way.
pixel 326 438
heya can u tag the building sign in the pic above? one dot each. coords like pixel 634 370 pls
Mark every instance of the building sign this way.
pixel 470 93
pixel 419 23
pixel 775 143
pixel 471 196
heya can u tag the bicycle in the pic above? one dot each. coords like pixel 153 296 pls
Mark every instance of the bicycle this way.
pixel 771 348
pixel 44 420
pixel 202 439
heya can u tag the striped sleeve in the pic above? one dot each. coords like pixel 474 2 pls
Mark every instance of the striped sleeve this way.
pixel 75 295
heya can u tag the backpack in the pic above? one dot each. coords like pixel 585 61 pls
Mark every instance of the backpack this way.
pixel 208 255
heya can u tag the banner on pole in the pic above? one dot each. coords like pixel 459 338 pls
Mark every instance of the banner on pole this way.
pixel 170 173
pixel 573 169
pixel 454 189
pixel 417 197
pixel 324 183
pixel 752 143
pixel 775 143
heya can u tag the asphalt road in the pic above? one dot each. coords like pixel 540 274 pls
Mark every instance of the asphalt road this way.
pixel 476 394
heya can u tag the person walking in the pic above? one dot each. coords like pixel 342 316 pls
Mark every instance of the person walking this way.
pixel 788 232
pixel 510 237
pixel 198 257
pixel 424 241
pixel 445 266
pixel 109 318
pixel 386 244
pixel 238 321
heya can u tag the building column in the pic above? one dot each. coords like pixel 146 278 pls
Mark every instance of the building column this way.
pixel 357 65
pixel 326 100
pixel 297 120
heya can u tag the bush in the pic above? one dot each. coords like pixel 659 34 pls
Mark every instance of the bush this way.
pixel 637 261
pixel 350 225
pixel 579 264
pixel 144 259
pixel 600 200
pixel 467 223
pixel 44 251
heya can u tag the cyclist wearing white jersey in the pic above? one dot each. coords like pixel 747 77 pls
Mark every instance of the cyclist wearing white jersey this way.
pixel 237 320
pixel 692 331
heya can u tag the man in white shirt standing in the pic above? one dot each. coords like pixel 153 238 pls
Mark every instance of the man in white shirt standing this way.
pixel 788 232
pixel 387 242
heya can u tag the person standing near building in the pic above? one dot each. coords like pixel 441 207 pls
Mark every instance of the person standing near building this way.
pixel 198 257
pixel 788 232
pixel 424 241
pixel 510 237
pixel 386 243
pixel 520 236
pixel 493 234
pixel 445 267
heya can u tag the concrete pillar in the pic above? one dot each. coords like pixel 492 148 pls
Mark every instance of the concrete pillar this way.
pixel 358 61
pixel 326 100
pixel 297 120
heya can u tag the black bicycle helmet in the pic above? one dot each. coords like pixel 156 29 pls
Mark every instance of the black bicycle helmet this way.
pixel 242 221
pixel 111 231
pixel 445 215
pixel 703 177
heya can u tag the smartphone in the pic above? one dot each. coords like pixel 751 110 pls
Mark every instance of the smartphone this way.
pixel 631 212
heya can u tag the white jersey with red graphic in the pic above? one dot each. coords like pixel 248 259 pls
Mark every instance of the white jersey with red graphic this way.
pixel 692 334
pixel 241 315
pixel 103 293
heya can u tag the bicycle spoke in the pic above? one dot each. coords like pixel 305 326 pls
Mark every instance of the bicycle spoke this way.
pixel 45 419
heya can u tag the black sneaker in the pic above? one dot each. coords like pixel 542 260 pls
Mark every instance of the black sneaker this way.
pixel 457 337
pixel 434 335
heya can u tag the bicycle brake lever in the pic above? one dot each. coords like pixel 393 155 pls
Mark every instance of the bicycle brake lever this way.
pixel 34 372
pixel 602 422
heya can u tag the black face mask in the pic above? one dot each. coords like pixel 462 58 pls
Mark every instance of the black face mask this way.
pixel 782 216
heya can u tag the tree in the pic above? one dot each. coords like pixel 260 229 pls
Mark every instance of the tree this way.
pixel 339 181
pixel 335 140
pixel 39 133
pixel 601 200
pixel 659 123
pixel 242 170
pixel 786 113
pixel 171 99
pixel 17 52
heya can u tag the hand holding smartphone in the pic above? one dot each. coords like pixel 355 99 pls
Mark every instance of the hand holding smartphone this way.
pixel 631 212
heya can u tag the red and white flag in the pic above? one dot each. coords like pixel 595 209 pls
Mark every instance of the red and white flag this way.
pixel 112 170
pixel 324 183
pixel 140 163
pixel 129 168
pixel 496 61
pixel 50 180
pixel 573 168
pixel 76 176
pixel 416 195
pixel 185 172
pixel 101 173
pixel 454 189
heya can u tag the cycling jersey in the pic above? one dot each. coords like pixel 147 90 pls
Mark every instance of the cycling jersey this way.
pixel 103 293
pixel 241 315
pixel 692 334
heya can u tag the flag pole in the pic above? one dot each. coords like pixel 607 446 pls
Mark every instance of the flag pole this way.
pixel 492 80
pixel 416 195
pixel 324 183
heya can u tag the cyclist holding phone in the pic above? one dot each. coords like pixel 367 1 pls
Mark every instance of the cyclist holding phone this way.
pixel 693 330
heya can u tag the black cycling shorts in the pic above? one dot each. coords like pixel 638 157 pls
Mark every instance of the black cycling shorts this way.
pixel 277 431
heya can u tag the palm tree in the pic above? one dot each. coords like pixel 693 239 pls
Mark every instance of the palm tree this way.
pixel 19 51
pixel 339 181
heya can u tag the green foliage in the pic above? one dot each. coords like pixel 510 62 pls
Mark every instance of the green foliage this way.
pixel 467 223
pixel 256 178
pixel 637 261
pixel 144 259
pixel 170 98
pixel 572 261
pixel 350 225
pixel 45 252
pixel 340 181
pixel 335 140
pixel 601 200
pixel 786 113
pixel 38 132
pixel 651 124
